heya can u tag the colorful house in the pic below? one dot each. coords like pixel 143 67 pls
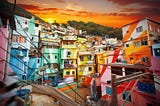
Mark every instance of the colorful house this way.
pixel 69 56
pixel 50 44
pixel 137 41
pixel 99 57
pixel 33 68
pixel 34 30
pixel 111 56
pixel 86 67
pixel 20 47
pixel 137 38
pixel 7 24
pixel 155 60
pixel 143 42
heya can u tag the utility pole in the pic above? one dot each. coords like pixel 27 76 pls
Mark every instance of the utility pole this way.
pixel 114 91
pixel 14 6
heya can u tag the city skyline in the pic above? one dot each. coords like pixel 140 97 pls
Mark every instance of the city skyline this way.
pixel 114 13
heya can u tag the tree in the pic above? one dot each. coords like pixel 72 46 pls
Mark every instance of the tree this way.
pixel 96 29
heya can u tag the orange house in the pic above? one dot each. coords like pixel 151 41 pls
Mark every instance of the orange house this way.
pixel 138 38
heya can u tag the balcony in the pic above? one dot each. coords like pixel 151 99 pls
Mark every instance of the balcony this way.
pixel 70 65
pixel 68 45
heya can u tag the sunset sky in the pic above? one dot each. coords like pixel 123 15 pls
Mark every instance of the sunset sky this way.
pixel 114 13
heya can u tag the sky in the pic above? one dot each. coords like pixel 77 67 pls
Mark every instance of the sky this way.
pixel 113 13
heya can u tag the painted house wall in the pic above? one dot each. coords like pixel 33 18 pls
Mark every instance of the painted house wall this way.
pixel 137 99
pixel 86 67
pixel 21 35
pixel 105 70
pixel 52 55
pixel 153 31
pixel 19 61
pixel 99 60
pixel 69 42
pixel 133 36
pixel 34 29
pixel 34 64
pixel 69 62
pixel 68 53
pixel 3 45
pixel 155 60
pixel 71 72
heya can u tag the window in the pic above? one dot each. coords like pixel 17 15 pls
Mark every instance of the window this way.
pixel 67 72
pixel 36 25
pixel 83 79
pixel 144 42
pixel 55 57
pixel 25 22
pixel 139 29
pixel 3 22
pixel 145 59
pixel 125 94
pixel 68 53
pixel 89 68
pixel 38 61
pixel 48 56
pixel 81 58
pixel 136 44
pixel 14 38
pixel 32 38
pixel 118 60
pixel 81 69
pixel 127 45
pixel 19 39
pixel 73 72
pixel 108 90
pixel 150 28
pixel 157 51
pixel 89 57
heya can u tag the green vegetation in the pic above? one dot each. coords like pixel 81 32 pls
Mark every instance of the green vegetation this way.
pixel 96 29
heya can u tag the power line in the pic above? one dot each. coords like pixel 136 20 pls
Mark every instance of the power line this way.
pixel 37 48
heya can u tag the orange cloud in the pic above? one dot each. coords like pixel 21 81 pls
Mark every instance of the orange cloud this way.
pixel 115 19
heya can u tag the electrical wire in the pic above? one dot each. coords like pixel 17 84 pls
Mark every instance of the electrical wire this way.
pixel 32 43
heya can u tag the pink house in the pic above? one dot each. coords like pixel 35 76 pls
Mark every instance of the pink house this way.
pixel 155 61
pixel 6 21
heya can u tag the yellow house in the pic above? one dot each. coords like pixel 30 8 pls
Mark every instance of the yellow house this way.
pixel 86 66
pixel 69 56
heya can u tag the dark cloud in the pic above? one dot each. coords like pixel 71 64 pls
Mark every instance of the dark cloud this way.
pixel 150 11
pixel 115 14
pixel 149 3
pixel 30 7
pixel 37 8
pixel 53 9
pixel 60 1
